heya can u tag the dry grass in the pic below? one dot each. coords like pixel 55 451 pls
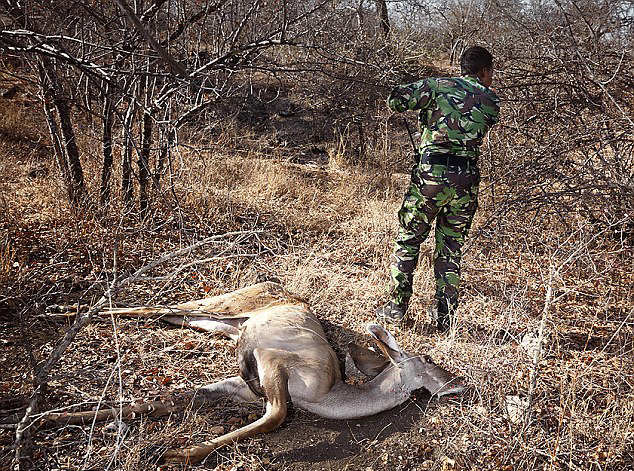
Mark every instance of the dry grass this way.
pixel 327 234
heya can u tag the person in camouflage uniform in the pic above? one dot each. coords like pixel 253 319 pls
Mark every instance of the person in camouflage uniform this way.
pixel 455 115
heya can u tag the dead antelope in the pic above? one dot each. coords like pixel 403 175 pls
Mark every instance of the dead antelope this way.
pixel 283 355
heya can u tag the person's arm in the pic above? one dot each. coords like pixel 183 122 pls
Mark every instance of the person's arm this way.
pixel 491 108
pixel 413 96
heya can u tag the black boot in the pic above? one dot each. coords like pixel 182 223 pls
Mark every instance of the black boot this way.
pixel 392 313
pixel 444 316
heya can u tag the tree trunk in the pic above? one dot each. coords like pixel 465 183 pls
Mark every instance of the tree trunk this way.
pixel 143 163
pixel 127 188
pixel 384 19
pixel 106 141
pixel 167 141
pixel 72 152
pixel 66 147
pixel 56 140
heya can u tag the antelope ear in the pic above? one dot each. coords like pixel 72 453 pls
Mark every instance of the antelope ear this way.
pixel 367 361
pixel 387 343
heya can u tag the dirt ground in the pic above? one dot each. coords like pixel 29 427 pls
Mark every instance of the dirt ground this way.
pixel 394 439
pixel 324 230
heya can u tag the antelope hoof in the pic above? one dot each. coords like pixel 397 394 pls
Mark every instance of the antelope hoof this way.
pixel 188 455
pixel 160 454
pixel 154 454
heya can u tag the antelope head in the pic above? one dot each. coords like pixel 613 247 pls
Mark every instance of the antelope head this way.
pixel 412 371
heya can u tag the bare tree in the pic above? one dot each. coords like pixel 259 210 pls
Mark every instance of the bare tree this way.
pixel 384 19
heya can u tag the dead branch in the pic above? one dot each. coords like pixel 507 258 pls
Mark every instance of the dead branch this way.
pixel 82 320
pixel 178 68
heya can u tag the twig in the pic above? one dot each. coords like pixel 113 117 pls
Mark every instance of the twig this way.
pixel 81 321
pixel 537 353
pixel 20 427
pixel 176 66
pixel 175 254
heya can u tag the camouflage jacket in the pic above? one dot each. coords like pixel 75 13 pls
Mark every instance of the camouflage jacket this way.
pixel 455 113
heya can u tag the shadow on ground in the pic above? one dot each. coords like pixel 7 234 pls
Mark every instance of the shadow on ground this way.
pixel 308 442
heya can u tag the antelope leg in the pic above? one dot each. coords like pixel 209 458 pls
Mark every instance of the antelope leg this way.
pixel 239 302
pixel 234 388
pixel 151 408
pixel 274 380
pixel 233 304
pixel 206 325
pixel 231 388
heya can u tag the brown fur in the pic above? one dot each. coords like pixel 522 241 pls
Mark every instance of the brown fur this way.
pixel 283 355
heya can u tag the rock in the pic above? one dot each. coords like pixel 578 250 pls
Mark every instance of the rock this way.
pixel 530 343
pixel 516 408
pixel 115 429
pixel 9 93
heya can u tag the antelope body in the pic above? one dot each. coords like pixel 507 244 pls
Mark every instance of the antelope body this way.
pixel 283 355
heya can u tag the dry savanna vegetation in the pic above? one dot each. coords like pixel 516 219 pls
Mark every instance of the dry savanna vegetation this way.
pixel 251 141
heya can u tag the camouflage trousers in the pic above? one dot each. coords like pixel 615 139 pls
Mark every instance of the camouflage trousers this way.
pixel 450 196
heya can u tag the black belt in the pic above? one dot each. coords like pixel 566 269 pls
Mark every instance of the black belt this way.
pixel 449 160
